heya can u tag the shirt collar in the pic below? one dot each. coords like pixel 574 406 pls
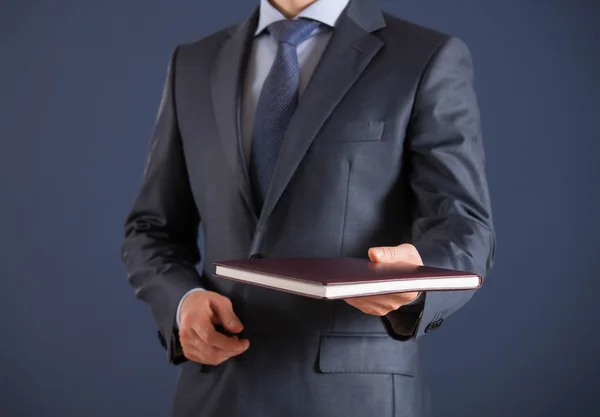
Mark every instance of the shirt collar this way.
pixel 324 11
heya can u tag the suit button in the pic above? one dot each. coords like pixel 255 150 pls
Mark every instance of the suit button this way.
pixel 433 325
pixel 256 256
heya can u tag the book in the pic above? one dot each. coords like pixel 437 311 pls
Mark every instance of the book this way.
pixel 335 278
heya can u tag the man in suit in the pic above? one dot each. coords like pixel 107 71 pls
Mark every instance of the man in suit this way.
pixel 312 129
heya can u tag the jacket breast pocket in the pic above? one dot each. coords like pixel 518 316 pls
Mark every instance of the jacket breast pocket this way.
pixel 371 354
pixel 354 131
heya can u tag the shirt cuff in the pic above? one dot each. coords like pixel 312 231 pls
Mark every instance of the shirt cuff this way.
pixel 181 302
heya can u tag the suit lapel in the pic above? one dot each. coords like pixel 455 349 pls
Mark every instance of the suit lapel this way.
pixel 348 53
pixel 227 81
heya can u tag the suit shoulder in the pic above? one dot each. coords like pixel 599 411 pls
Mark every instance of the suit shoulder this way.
pixel 206 44
pixel 398 29
pixel 421 41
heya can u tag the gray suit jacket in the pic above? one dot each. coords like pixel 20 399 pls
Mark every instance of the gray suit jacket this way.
pixel 384 148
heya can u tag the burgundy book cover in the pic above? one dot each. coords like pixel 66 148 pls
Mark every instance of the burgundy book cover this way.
pixel 333 271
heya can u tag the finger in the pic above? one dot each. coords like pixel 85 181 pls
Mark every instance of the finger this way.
pixel 382 300
pixel 228 344
pixel 378 309
pixel 207 355
pixel 211 355
pixel 366 307
pixel 193 338
pixel 225 316
pixel 402 253
pixel 373 310
pixel 198 341
pixel 378 305
pixel 199 350
pixel 206 334
pixel 193 347
pixel 381 253
pixel 189 334
pixel 396 298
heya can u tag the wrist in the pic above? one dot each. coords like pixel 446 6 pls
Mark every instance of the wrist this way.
pixel 180 305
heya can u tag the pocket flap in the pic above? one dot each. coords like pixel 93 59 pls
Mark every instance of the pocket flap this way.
pixel 367 354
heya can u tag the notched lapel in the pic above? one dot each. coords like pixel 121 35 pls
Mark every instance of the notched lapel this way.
pixel 350 49
pixel 227 79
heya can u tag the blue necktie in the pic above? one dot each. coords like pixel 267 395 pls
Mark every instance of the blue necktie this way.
pixel 276 104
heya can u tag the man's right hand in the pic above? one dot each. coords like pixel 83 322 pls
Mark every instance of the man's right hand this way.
pixel 201 342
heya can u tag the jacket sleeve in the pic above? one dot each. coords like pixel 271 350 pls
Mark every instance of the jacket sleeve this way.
pixel 452 218
pixel 160 250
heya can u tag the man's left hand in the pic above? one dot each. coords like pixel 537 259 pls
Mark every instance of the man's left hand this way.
pixel 380 305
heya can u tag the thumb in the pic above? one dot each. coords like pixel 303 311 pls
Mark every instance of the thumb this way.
pixel 223 310
pixel 382 254
pixel 402 253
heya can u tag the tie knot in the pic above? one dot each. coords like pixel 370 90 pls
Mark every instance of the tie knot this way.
pixel 292 31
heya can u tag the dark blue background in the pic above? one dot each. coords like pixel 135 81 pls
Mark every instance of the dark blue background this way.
pixel 80 83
